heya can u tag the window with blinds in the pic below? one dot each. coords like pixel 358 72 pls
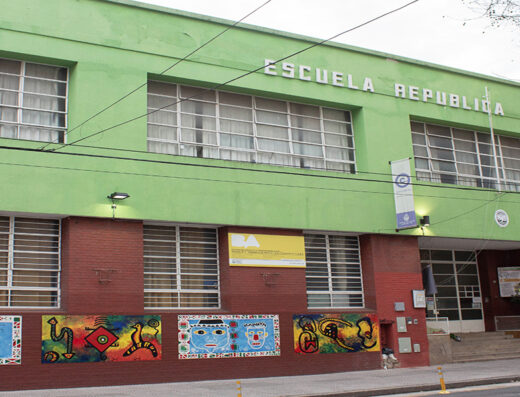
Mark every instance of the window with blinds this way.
pixel 33 101
pixel 333 271
pixel 463 157
pixel 29 262
pixel 180 267
pixel 196 122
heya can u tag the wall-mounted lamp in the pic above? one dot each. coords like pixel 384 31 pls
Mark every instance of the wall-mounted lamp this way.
pixel 116 196
pixel 425 221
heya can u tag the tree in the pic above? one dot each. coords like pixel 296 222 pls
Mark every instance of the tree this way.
pixel 498 11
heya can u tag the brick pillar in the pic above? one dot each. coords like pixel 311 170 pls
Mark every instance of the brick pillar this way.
pixel 393 263
pixel 102 266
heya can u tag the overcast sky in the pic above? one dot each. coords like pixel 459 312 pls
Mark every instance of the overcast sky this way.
pixel 445 32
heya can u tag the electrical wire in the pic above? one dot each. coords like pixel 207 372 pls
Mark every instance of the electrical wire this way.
pixel 236 78
pixel 164 71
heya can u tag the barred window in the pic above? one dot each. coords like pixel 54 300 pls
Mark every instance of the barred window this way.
pixel 29 262
pixel 222 125
pixel 463 157
pixel 333 271
pixel 33 101
pixel 180 267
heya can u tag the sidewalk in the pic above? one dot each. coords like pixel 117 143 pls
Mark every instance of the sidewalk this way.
pixel 358 383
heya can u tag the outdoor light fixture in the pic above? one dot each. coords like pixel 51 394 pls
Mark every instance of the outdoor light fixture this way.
pixel 425 221
pixel 118 196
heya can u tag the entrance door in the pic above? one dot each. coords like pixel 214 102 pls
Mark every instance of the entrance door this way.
pixel 458 295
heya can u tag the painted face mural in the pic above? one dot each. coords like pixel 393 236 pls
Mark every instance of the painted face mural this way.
pixel 210 336
pixel 256 334
pixel 228 335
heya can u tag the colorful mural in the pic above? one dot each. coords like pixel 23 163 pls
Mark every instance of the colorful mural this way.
pixel 73 339
pixel 10 340
pixel 335 333
pixel 219 336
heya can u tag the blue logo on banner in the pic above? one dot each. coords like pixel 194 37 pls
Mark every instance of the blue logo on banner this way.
pixel 402 180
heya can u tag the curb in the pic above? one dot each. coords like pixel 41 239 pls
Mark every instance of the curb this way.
pixel 418 388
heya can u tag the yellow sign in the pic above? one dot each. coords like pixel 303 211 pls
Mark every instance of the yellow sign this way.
pixel 266 250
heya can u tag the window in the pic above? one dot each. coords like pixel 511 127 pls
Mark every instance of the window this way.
pixel 180 267
pixel 222 125
pixel 29 262
pixel 463 157
pixel 33 101
pixel 458 287
pixel 333 271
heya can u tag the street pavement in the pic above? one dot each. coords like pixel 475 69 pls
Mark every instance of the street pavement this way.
pixel 356 383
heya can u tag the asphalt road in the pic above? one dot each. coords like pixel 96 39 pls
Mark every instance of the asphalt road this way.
pixel 499 390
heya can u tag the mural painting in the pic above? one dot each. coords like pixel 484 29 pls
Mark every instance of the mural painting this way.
pixel 73 339
pixel 219 336
pixel 335 333
pixel 10 340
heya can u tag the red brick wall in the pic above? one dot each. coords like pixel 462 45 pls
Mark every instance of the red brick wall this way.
pixel 390 272
pixel 493 304
pixel 394 263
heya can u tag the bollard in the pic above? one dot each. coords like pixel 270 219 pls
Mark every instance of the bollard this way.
pixel 443 385
pixel 239 389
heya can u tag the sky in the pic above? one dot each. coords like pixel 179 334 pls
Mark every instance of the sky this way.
pixel 444 32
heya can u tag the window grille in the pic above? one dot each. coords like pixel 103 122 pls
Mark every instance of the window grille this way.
pixel 224 125
pixel 463 157
pixel 33 101
pixel 29 262
pixel 180 267
pixel 333 271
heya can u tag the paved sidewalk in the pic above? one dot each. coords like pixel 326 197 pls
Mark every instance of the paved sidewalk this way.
pixel 358 383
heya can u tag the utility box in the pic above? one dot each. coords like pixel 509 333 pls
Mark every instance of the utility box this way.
pixel 405 345
pixel 401 324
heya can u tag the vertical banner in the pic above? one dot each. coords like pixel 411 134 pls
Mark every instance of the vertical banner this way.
pixel 403 194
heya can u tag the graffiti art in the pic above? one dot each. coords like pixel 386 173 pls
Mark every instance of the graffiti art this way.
pixel 10 340
pixel 335 333
pixel 219 336
pixel 72 339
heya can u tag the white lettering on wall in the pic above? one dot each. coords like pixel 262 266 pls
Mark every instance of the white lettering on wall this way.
pixel 302 75
pixel 337 79
pixel 288 70
pixel 270 67
pixel 414 93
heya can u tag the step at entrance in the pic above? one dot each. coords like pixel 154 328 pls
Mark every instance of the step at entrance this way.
pixel 481 346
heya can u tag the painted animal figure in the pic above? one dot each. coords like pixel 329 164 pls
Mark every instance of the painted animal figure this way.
pixel 138 343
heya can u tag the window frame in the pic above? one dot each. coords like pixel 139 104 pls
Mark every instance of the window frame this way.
pixel 179 290
pixel 291 157
pixel 21 107
pixel 11 251
pixel 479 141
pixel 330 290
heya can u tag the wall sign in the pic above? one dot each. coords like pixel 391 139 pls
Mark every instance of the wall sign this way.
pixel 320 75
pixel 501 218
pixel 220 336
pixel 419 298
pixel 73 339
pixel 266 250
pixel 10 340
pixel 509 281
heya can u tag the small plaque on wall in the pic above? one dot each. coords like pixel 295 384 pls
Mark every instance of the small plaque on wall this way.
pixel 419 298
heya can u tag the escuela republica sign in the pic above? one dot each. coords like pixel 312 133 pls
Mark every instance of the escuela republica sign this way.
pixel 266 250
pixel 366 84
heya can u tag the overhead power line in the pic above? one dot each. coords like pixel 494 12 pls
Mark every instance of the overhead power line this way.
pixel 215 87
pixel 164 71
